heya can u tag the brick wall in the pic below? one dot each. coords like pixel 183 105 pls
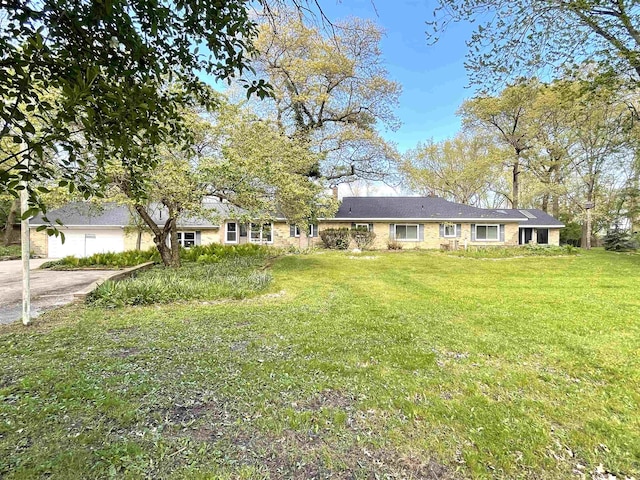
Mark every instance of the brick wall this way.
pixel 39 242
pixel 432 239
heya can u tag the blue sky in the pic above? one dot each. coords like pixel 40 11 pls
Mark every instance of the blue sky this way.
pixel 433 77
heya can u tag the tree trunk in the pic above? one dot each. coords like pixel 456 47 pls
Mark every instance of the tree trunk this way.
pixel 11 220
pixel 587 230
pixel 545 202
pixel 163 248
pixel 139 240
pixel 515 193
pixel 175 246
pixel 555 205
pixel 159 235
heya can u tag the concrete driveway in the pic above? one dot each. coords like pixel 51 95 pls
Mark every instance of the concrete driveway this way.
pixel 48 288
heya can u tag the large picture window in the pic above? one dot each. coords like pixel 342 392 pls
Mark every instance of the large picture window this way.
pixel 231 234
pixel 407 232
pixel 261 233
pixel 488 232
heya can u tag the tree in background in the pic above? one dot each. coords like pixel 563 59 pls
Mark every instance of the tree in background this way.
pixel 528 37
pixel 599 125
pixel 107 65
pixel 506 117
pixel 332 92
pixel 464 169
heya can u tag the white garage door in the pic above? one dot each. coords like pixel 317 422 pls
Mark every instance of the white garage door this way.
pixel 84 243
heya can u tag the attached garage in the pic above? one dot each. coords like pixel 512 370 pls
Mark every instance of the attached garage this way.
pixel 86 242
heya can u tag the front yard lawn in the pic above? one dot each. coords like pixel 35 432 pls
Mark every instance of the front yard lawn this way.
pixel 380 365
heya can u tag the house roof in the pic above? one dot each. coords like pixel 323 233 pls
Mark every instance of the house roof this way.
pixel 539 218
pixel 85 213
pixel 419 208
pixel 77 214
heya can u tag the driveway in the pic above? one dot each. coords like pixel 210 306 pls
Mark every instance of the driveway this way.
pixel 49 288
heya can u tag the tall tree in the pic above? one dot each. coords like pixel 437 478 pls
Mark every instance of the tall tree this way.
pixel 552 139
pixel 506 117
pixel 519 37
pixel 599 125
pixel 234 156
pixel 463 169
pixel 108 64
pixel 257 168
pixel 331 91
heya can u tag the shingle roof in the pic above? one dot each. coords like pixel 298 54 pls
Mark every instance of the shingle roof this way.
pixel 427 208
pixel 114 215
pixel 539 218
pixel 84 213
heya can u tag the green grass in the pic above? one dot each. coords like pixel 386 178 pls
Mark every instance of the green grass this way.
pixel 400 365
pixel 510 252
pixel 234 278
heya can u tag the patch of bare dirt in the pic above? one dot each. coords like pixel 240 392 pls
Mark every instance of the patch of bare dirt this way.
pixel 297 454
pixel 125 352
pixel 327 399
pixel 118 334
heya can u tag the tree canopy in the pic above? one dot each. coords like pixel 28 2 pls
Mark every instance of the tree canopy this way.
pixel 84 80
pixel 332 91
pixel 519 38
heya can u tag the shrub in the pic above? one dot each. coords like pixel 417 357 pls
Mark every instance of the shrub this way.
pixel 212 253
pixel 335 238
pixel 363 237
pixel 127 258
pixel 394 245
pixel 620 241
pixel 233 277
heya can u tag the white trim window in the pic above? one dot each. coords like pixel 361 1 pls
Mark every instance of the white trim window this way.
pixel 296 230
pixel 362 226
pixel 487 233
pixel 231 232
pixel 407 232
pixel 450 230
pixel 313 230
pixel 187 239
pixel 261 233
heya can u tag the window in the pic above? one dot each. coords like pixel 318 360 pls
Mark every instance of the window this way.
pixel 231 235
pixel 313 230
pixel 487 232
pixel 296 230
pixel 261 233
pixel 407 232
pixel 450 230
pixel 542 236
pixel 362 226
pixel 187 239
pixel 243 230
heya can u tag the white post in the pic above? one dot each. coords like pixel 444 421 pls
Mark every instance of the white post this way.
pixel 26 250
